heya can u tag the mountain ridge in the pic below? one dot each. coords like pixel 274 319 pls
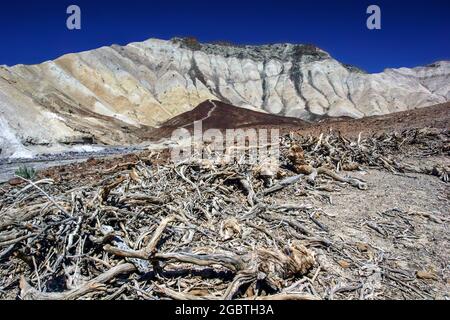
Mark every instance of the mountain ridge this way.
pixel 105 94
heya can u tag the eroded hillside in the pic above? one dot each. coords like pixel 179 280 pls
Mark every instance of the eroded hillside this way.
pixel 106 95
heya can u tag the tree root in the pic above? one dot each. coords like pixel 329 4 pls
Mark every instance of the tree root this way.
pixel 96 284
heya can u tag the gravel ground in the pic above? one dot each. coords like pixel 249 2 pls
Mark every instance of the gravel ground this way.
pixel 412 213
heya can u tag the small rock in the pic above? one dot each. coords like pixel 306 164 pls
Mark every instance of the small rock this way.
pixel 15 182
pixel 363 247
pixel 423 274
pixel 344 264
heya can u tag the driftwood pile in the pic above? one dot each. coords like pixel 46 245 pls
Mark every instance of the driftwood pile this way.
pixel 194 230
pixel 335 152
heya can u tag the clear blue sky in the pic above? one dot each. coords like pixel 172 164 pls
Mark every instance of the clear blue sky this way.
pixel 413 32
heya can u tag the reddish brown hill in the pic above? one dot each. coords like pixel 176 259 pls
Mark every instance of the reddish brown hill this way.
pixel 437 116
pixel 219 115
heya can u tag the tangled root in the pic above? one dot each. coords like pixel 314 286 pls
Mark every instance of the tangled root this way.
pixel 230 228
pixel 295 260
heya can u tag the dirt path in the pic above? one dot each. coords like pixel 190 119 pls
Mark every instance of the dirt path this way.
pixel 208 115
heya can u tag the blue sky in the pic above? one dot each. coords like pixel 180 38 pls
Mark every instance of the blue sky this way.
pixel 413 32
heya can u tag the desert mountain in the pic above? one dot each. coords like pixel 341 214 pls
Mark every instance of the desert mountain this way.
pixel 109 94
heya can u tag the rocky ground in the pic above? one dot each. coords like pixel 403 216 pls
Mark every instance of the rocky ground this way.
pixel 363 217
pixel 399 227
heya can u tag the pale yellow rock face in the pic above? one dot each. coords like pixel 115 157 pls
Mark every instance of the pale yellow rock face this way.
pixel 101 94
